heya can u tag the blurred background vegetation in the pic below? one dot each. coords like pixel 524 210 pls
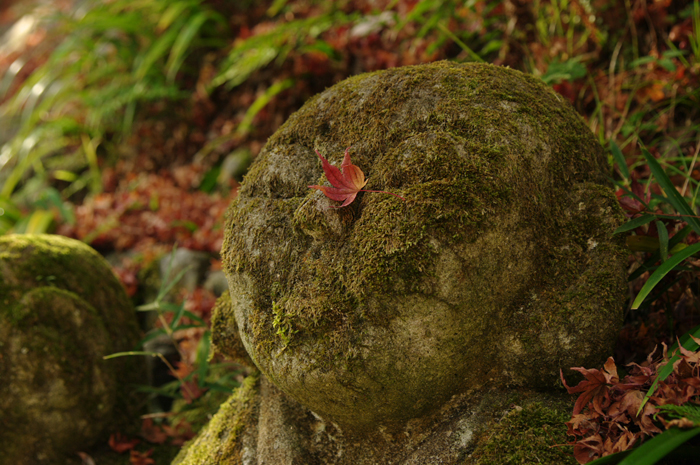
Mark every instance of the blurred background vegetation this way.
pixel 96 91
pixel 128 124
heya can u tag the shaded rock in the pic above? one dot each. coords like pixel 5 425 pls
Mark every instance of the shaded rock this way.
pixel 192 264
pixel 61 311
pixel 216 282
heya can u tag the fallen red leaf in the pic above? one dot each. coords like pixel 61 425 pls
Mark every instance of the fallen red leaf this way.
pixel 183 369
pixel 120 443
pixel 605 419
pixel 141 458
pixel 190 390
pixel 588 449
pixel 180 433
pixel 594 387
pixel 346 183
pixel 152 432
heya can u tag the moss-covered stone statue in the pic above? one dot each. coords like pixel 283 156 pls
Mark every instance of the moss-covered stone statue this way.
pixel 398 332
pixel 61 311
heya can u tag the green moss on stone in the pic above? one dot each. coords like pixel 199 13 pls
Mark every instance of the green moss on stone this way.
pixel 452 190
pixel 532 434
pixel 220 441
pixel 61 311
pixel 493 166
pixel 29 261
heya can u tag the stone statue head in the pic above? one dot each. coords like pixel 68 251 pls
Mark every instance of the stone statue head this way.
pixel 500 267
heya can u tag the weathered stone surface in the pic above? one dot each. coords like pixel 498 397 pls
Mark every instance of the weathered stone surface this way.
pixel 500 264
pixel 225 338
pixel 260 425
pixel 61 311
pixel 381 328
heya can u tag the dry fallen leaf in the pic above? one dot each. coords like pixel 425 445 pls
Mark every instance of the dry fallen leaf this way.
pixel 141 458
pixel 120 443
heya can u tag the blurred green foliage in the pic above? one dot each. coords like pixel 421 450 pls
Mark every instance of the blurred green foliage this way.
pixel 114 59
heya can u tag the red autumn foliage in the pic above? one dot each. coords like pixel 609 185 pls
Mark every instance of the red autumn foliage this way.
pixel 178 433
pixel 191 391
pixel 631 205
pixel 141 458
pixel 144 210
pixel 605 420
pixel 346 183
pixel 152 432
pixel 120 443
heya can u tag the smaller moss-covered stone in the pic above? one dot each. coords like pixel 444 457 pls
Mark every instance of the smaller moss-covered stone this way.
pixel 61 311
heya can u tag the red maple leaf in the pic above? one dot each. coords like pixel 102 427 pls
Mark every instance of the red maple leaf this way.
pixel 152 432
pixel 180 433
pixel 594 387
pixel 141 458
pixel 120 443
pixel 346 183
pixel 190 390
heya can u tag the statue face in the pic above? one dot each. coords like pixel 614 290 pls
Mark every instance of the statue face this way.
pixel 380 311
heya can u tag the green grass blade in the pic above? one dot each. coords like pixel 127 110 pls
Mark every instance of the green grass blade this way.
pixel 611 459
pixel 688 411
pixel 672 195
pixel 261 102
pixel 155 52
pixel 662 271
pixel 176 317
pixel 659 446
pixel 203 358
pixel 663 240
pixel 475 56
pixel 635 223
pixel 54 198
pixel 39 222
pixel 183 41
pixel 90 150
pixel 165 289
pixel 686 340
pixel 620 160
pixel 194 317
pixel 173 12
pixel 245 64
pixel 131 352
pixel 647 265
pixel 152 334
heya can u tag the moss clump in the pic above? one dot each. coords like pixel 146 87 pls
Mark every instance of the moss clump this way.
pixel 220 441
pixel 532 434
pixel 359 312
pixel 30 261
